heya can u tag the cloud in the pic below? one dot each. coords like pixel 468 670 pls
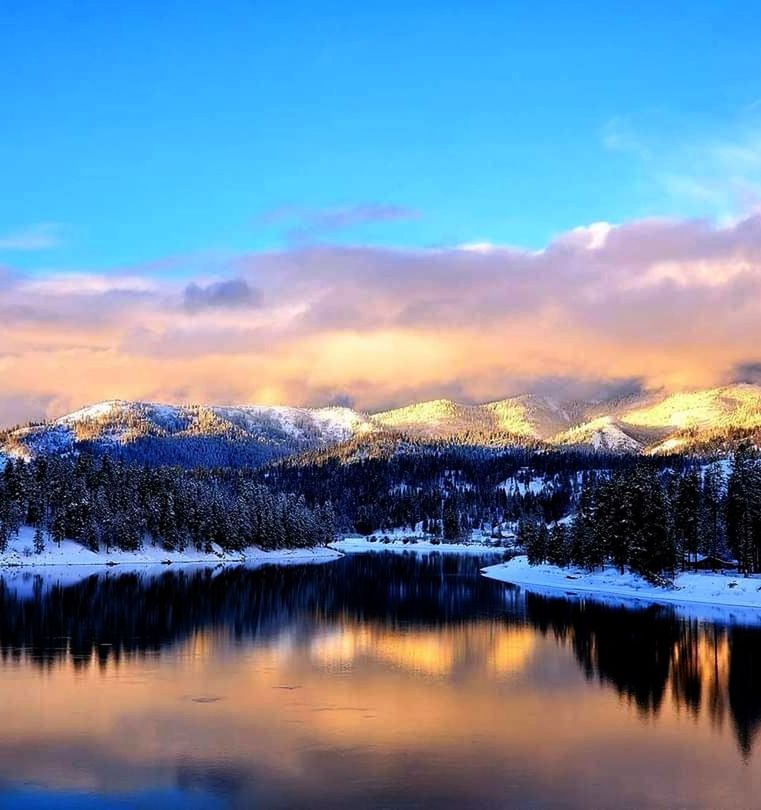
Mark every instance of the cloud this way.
pixel 305 224
pixel 600 309
pixel 618 135
pixel 63 284
pixel 42 236
pixel 718 176
pixel 22 407
pixel 746 372
pixel 235 293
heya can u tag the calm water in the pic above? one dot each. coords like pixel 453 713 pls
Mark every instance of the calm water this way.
pixel 377 681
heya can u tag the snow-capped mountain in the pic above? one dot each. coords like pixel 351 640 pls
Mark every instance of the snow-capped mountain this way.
pixel 259 433
pixel 250 434
pixel 601 434
pixel 528 417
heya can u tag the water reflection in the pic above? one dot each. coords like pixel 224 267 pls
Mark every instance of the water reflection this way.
pixel 649 654
pixel 392 680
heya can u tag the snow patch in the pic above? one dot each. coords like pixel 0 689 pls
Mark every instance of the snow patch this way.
pixel 354 544
pixel 700 588
pixel 20 554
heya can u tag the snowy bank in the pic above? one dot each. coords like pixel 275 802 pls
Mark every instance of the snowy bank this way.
pixel 24 581
pixel 353 544
pixel 20 553
pixel 701 588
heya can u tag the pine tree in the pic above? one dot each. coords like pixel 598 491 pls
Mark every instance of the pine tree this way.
pixel 530 537
pixel 558 547
pixel 712 518
pixel 39 539
pixel 451 519
pixel 687 516
pixel 653 551
pixel 744 509
pixel 584 535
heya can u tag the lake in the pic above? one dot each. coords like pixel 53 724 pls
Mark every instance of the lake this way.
pixel 381 680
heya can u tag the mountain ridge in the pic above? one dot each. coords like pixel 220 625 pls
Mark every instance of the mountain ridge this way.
pixel 651 422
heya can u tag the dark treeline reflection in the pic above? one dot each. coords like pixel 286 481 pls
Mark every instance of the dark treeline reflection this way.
pixel 648 655
pixel 111 616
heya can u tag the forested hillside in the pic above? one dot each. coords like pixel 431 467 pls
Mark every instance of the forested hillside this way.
pixel 111 505
pixel 445 488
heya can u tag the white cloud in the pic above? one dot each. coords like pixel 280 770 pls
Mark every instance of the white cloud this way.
pixel 86 284
pixel 693 174
pixel 41 236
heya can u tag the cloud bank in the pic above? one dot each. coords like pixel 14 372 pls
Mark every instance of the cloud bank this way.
pixel 674 303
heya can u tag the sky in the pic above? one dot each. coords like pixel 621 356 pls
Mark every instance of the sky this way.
pixel 312 204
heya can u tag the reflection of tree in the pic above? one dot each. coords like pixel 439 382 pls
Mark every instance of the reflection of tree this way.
pixel 715 670
pixel 745 685
pixel 648 653
pixel 686 671
pixel 631 650
pixel 111 616
pixel 645 654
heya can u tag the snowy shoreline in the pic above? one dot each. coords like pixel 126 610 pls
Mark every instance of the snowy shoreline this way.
pixel 354 544
pixel 20 554
pixel 702 588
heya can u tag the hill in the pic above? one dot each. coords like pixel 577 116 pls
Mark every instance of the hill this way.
pixel 251 435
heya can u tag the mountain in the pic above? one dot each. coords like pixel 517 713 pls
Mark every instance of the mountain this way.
pixel 524 417
pixel 251 435
pixel 666 423
pixel 600 434
pixel 188 434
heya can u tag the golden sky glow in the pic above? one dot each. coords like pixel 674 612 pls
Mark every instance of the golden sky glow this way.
pixel 651 303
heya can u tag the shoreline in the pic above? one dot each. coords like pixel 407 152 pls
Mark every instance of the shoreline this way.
pixel 690 588
pixel 357 544
pixel 19 555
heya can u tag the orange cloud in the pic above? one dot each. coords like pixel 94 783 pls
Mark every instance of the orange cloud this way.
pixel 665 303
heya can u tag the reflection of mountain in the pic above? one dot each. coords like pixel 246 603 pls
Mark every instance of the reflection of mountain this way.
pixel 650 655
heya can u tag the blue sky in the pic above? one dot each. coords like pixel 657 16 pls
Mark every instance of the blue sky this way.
pixel 138 131
pixel 309 203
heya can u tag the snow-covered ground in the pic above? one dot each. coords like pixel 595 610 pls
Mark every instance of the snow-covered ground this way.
pixel 395 541
pixel 26 580
pixel 703 588
pixel 20 553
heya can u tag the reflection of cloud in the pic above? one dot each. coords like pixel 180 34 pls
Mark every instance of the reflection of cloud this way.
pixel 438 653
pixel 660 302
pixel 358 733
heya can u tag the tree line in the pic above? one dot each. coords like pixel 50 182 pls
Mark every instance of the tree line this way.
pixel 106 504
pixel 654 521
pixel 448 488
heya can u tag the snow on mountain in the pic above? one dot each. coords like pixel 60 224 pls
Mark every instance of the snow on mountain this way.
pixel 253 434
pixel 527 416
pixel 734 406
pixel 438 419
pixel 601 434
pixel 278 430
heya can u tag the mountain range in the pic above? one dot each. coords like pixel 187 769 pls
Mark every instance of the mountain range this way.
pixel 645 423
